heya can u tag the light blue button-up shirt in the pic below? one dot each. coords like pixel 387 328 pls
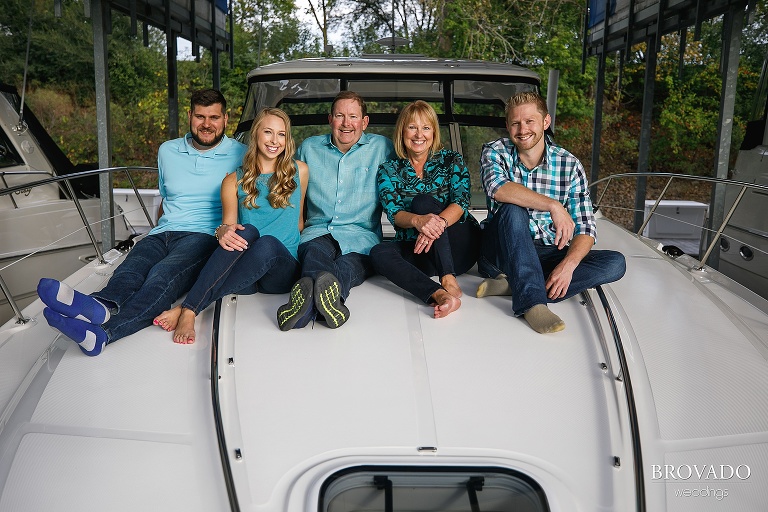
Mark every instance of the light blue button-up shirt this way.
pixel 342 196
pixel 190 183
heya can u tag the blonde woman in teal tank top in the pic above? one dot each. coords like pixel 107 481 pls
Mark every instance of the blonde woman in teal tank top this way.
pixel 262 206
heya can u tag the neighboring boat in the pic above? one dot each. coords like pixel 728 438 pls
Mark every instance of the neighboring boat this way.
pixel 654 398
pixel 744 245
pixel 40 227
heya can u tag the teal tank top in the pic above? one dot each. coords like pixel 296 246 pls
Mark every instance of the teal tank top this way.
pixel 281 223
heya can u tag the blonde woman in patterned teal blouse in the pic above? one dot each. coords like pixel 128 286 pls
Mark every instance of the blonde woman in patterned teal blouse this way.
pixel 425 193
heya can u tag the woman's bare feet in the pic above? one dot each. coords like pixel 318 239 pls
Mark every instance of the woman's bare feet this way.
pixel 185 330
pixel 445 303
pixel 450 284
pixel 168 318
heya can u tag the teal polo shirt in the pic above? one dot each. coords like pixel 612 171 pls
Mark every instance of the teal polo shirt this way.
pixel 342 195
pixel 190 183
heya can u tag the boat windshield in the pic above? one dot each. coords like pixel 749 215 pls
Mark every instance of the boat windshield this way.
pixel 9 157
pixel 470 107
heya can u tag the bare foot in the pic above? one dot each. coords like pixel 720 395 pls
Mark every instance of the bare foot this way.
pixel 185 330
pixel 168 318
pixel 446 303
pixel 450 284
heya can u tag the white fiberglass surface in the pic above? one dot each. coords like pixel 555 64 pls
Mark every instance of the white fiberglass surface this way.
pixel 726 478
pixel 501 387
pixel 707 375
pixel 131 429
pixel 478 384
pixel 57 472
pixel 310 391
pixel 477 388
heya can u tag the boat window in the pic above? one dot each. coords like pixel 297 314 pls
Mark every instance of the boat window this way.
pixel 303 96
pixel 474 117
pixel 480 97
pixel 760 107
pixel 472 140
pixel 9 157
pixel 383 489
pixel 296 91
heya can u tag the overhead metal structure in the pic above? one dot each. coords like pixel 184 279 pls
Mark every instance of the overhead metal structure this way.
pixel 632 22
pixel 203 22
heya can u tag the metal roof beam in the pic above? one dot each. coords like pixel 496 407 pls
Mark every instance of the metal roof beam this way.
pixel 628 28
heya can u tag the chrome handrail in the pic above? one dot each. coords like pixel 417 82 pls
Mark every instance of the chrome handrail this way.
pixel 718 233
pixel 20 319
pixel 3 174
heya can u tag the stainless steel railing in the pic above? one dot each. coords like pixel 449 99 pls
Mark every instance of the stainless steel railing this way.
pixel 66 181
pixel 717 233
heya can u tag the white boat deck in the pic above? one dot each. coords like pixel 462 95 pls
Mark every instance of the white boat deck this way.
pixel 133 429
pixel 394 379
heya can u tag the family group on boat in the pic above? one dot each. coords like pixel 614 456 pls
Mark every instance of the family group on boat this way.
pixel 535 244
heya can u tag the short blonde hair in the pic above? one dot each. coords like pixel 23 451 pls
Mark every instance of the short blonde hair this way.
pixel 418 108
pixel 524 98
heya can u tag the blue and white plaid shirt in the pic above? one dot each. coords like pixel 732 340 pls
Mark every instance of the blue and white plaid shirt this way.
pixel 560 176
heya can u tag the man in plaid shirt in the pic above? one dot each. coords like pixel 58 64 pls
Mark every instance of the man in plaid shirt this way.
pixel 540 229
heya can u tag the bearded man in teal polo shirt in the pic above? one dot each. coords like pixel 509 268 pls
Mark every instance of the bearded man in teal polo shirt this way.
pixel 164 264
pixel 343 215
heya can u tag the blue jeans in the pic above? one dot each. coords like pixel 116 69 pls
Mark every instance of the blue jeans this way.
pixel 265 266
pixel 509 248
pixel 324 254
pixel 453 253
pixel 157 271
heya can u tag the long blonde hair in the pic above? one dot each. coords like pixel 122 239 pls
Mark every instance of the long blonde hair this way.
pixel 281 184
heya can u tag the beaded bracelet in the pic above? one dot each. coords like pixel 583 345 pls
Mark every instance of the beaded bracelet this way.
pixel 216 231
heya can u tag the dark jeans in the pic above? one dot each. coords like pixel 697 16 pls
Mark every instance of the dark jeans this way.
pixel 324 254
pixel 265 266
pixel 455 252
pixel 509 248
pixel 157 271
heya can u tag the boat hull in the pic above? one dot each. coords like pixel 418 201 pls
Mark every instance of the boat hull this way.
pixel 45 239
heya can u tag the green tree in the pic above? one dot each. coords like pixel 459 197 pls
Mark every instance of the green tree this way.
pixel 59 47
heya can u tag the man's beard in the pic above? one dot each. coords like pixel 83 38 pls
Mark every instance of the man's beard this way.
pixel 199 142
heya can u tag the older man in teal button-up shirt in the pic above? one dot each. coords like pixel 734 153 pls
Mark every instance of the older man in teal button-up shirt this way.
pixel 343 215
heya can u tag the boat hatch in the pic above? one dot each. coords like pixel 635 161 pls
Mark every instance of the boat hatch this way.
pixel 385 489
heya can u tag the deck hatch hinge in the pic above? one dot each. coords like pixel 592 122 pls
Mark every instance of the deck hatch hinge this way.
pixel 382 482
pixel 474 484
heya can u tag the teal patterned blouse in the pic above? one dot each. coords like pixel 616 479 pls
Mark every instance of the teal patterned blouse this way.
pixel 446 178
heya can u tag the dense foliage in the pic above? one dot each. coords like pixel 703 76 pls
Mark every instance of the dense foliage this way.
pixel 540 34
